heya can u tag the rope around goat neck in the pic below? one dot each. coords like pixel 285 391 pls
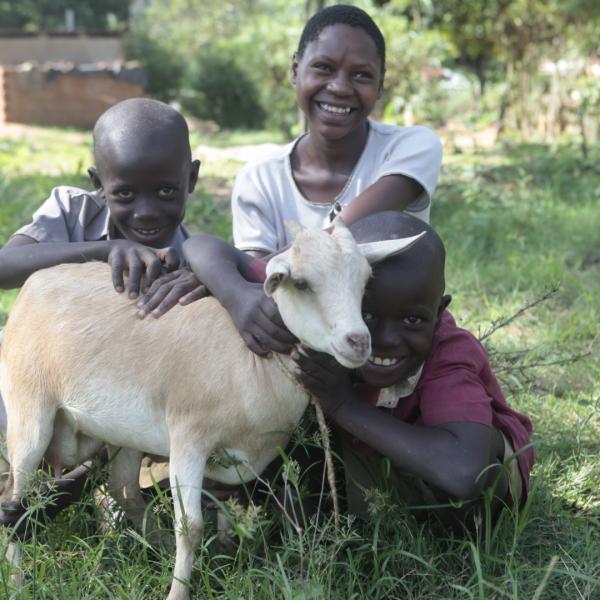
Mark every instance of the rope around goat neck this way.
pixel 325 439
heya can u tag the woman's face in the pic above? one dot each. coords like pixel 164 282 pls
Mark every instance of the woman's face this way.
pixel 338 80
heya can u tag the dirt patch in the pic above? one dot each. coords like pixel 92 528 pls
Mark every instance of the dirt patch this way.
pixel 459 137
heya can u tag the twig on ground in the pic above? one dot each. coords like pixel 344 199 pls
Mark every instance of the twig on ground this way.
pixel 328 460
pixel 504 321
pixel 326 443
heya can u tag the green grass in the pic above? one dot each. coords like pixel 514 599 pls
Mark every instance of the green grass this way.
pixel 517 220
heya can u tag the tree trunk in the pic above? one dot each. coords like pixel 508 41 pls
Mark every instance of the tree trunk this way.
pixel 481 76
pixel 581 120
pixel 505 102
pixel 553 107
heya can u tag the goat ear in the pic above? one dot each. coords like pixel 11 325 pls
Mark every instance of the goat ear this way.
pixel 278 270
pixel 375 252
pixel 293 227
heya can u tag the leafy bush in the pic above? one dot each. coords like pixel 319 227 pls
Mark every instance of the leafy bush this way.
pixel 222 92
pixel 165 69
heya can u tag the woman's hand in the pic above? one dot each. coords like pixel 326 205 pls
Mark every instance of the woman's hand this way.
pixel 178 287
pixel 257 319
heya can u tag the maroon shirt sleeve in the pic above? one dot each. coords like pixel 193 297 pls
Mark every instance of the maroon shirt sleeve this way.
pixel 256 272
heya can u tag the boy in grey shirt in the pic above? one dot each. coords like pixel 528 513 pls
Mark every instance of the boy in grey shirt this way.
pixel 142 177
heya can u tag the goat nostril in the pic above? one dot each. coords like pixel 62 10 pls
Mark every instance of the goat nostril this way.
pixel 357 341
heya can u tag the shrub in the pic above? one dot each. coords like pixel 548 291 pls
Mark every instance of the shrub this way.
pixel 165 69
pixel 220 91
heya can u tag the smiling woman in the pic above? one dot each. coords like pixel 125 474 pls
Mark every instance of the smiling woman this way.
pixel 346 162
pixel 338 80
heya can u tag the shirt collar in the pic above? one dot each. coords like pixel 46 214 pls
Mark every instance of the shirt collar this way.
pixel 390 396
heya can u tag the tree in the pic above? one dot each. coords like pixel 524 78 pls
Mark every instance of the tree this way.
pixel 510 36
pixel 165 69
pixel 258 36
pixel 472 27
pixel 49 15
pixel 223 92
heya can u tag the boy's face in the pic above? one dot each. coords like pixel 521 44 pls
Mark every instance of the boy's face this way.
pixel 146 188
pixel 338 80
pixel 401 307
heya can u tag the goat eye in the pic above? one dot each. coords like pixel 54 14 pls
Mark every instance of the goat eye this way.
pixel 300 284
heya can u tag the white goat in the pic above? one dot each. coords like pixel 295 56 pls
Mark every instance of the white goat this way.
pixel 78 370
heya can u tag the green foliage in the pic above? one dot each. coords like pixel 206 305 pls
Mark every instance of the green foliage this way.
pixel 498 44
pixel 222 92
pixel 49 15
pixel 515 220
pixel 267 52
pixel 165 69
pixel 414 58
pixel 472 27
pixel 245 35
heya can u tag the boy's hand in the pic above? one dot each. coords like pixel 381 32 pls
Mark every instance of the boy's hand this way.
pixel 179 287
pixel 323 377
pixel 259 322
pixel 138 260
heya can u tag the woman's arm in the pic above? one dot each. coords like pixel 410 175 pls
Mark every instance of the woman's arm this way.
pixel 219 265
pixel 409 167
pixel 392 192
pixel 222 268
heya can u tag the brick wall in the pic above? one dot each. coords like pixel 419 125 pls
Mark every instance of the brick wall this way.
pixel 42 97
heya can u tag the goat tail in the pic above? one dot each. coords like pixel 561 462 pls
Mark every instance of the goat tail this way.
pixel 328 461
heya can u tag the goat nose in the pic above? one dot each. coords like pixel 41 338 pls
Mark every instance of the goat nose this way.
pixel 358 341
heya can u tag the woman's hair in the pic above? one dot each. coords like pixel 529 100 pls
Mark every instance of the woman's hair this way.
pixel 342 14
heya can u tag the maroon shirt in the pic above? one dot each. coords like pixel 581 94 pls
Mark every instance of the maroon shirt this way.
pixel 457 385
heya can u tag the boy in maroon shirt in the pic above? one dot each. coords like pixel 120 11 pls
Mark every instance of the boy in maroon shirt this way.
pixel 427 399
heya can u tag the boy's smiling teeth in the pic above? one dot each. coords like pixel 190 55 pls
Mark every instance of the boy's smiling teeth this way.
pixel 334 109
pixel 383 362
pixel 147 231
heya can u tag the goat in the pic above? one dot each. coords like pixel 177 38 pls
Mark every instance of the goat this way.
pixel 77 370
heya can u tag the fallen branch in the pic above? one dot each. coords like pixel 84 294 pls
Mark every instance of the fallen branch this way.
pixel 504 321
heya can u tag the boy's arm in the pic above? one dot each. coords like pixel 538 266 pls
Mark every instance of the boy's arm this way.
pixel 451 457
pixel 222 268
pixel 21 256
